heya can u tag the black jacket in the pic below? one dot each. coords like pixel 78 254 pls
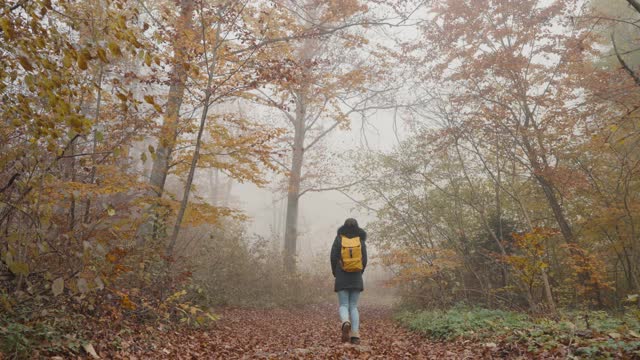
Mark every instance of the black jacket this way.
pixel 348 280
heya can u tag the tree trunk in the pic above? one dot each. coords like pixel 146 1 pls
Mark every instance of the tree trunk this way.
pixel 558 213
pixel 227 192
pixel 547 291
pixel 192 171
pixel 196 152
pixel 169 129
pixel 556 208
pixel 72 176
pixel 498 184
pixel 94 149
pixel 545 277
pixel 293 193
pixel 214 184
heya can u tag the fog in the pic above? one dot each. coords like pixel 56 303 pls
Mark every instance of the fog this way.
pixel 321 213
pixel 174 173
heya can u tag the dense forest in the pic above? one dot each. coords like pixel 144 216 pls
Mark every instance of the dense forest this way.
pixel 512 190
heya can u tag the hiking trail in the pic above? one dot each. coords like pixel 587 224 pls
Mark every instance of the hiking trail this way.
pixel 299 333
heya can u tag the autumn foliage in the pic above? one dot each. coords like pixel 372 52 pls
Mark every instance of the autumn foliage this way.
pixel 505 193
pixel 110 111
pixel 125 124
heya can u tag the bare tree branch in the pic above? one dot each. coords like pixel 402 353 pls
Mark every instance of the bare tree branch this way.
pixel 358 202
pixel 279 162
pixel 337 188
pixel 318 115
pixel 267 99
pixel 621 60
pixel 634 4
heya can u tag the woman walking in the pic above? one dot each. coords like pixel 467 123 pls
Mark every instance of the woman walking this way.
pixel 348 261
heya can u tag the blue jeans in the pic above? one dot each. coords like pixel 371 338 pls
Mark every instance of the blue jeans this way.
pixel 348 300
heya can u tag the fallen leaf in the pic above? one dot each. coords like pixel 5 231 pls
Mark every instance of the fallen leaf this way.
pixel 83 287
pixel 58 286
pixel 90 350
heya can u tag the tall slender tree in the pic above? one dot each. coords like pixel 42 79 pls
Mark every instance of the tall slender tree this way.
pixel 328 78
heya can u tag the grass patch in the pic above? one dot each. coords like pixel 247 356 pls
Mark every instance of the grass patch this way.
pixel 462 321
pixel 592 334
pixel 22 338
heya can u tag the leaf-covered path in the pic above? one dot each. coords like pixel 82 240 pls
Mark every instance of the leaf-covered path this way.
pixel 309 333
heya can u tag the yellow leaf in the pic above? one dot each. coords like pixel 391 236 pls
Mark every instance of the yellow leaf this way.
pixel 5 25
pixel 25 63
pixel 82 61
pixel 19 268
pixel 147 59
pixel 66 60
pixel 114 48
pixel 102 55
pixel 126 303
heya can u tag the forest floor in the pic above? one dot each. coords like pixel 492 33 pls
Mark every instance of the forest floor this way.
pixel 303 333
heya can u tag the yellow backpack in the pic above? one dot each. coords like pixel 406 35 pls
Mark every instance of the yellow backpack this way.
pixel 351 254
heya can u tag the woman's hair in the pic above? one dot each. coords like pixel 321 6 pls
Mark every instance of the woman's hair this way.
pixel 351 222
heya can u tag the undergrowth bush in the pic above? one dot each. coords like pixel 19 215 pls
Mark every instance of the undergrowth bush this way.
pixel 26 333
pixel 230 269
pixel 220 266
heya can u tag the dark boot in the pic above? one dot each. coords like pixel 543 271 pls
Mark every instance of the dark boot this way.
pixel 355 340
pixel 346 329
